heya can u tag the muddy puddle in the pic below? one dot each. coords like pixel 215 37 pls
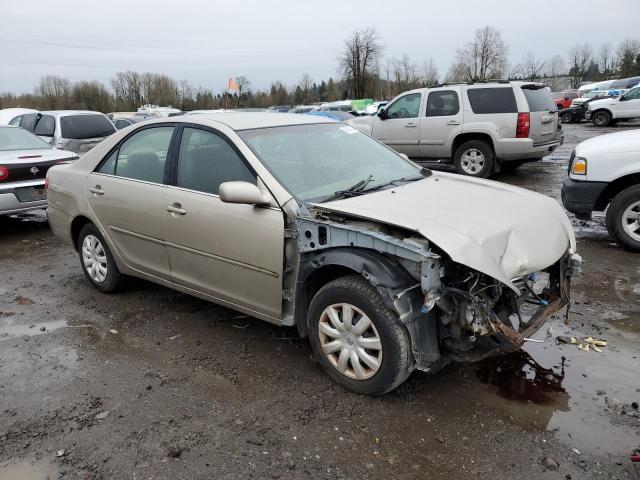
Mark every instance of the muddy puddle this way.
pixel 9 329
pixel 28 470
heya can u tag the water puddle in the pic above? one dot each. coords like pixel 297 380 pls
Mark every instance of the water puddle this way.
pixel 26 470
pixel 8 329
pixel 629 323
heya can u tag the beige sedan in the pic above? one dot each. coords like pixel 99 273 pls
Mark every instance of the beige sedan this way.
pixel 298 220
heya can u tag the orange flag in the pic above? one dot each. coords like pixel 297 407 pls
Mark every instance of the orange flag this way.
pixel 233 86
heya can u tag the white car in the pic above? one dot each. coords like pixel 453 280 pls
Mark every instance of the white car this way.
pixel 604 174
pixel 12 116
pixel 608 110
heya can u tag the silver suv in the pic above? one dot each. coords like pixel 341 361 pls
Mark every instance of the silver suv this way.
pixel 482 127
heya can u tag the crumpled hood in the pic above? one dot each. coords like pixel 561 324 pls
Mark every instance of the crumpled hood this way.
pixel 497 229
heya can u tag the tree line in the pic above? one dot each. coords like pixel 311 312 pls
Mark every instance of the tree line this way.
pixel 363 72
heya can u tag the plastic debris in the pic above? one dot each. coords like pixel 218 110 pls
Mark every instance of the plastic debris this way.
pixel 584 344
pixel 113 330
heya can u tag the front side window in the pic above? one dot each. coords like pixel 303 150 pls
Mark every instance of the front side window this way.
pixel 206 160
pixel 16 121
pixel 313 162
pixel 142 156
pixel 492 100
pixel 442 103
pixel 632 94
pixel 405 107
pixel 45 126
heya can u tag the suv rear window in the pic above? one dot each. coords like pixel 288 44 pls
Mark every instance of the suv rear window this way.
pixel 539 99
pixel 492 100
pixel 86 126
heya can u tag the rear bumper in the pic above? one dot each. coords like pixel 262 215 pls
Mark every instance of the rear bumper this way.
pixel 580 197
pixel 525 148
pixel 10 198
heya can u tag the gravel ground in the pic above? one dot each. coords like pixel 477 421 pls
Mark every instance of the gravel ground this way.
pixel 151 383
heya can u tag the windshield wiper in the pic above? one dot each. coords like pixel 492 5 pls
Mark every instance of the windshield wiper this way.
pixel 352 191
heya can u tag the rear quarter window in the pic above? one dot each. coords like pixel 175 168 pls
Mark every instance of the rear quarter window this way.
pixel 85 126
pixel 539 99
pixel 492 100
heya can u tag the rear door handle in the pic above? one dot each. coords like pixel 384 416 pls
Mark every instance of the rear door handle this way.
pixel 410 125
pixel 453 122
pixel 176 208
pixel 97 190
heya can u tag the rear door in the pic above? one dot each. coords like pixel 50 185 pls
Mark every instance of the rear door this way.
pixel 400 129
pixel 441 122
pixel 543 114
pixel 629 104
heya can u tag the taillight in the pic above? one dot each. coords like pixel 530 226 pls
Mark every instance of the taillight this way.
pixel 4 173
pixel 522 127
pixel 46 183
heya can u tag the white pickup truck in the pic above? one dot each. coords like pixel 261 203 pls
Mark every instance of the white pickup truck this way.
pixel 604 174
pixel 609 110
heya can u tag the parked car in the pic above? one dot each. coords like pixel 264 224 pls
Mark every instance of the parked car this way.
pixel 12 116
pixel 124 122
pixel 626 83
pixel 374 108
pixel 306 222
pixel 576 102
pixel 609 110
pixel 24 161
pixel 279 108
pixel 563 99
pixel 75 130
pixel 604 175
pixel 337 116
pixel 482 128
pixel 576 114
pixel 303 109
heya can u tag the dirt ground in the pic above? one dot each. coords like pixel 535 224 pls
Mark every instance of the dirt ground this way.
pixel 153 384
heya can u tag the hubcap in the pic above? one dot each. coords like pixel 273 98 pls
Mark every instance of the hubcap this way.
pixel 94 258
pixel 472 161
pixel 350 341
pixel 631 221
pixel 601 119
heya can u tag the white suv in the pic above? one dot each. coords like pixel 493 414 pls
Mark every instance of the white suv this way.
pixel 481 127
pixel 608 110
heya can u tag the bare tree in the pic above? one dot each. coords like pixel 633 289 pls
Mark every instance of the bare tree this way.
pixel 306 86
pixel 359 61
pixel 485 57
pixel 54 91
pixel 244 87
pixel 580 57
pixel 91 96
pixel 429 73
pixel 457 73
pixel 532 68
pixel 127 88
pixel 606 59
pixel 555 70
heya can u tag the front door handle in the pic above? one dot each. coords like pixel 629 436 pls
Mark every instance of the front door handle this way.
pixel 97 190
pixel 176 208
pixel 410 125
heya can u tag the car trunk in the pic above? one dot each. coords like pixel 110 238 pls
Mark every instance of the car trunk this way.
pixel 543 114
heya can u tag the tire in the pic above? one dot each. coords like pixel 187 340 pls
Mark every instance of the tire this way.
pixel 622 211
pixel 566 117
pixel 474 158
pixel 601 118
pixel 393 359
pixel 96 260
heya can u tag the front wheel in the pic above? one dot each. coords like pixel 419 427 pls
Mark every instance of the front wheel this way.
pixel 623 218
pixel 566 117
pixel 601 119
pixel 474 158
pixel 357 339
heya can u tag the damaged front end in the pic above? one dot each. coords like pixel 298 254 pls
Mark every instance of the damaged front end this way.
pixel 451 311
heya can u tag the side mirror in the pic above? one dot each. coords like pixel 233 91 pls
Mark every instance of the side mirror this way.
pixel 244 193
pixel 383 114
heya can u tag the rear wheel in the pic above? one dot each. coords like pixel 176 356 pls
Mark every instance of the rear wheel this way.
pixel 601 119
pixel 474 158
pixel 357 339
pixel 623 218
pixel 566 117
pixel 96 260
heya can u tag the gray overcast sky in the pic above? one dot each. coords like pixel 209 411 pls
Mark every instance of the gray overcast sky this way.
pixel 205 42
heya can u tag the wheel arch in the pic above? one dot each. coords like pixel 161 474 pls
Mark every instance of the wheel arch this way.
pixel 465 137
pixel 602 109
pixel 614 188
pixel 76 226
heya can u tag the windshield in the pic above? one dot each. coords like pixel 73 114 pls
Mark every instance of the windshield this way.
pixel 19 139
pixel 315 161
pixel 86 126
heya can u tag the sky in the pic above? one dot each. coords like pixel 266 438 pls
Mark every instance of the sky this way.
pixel 206 42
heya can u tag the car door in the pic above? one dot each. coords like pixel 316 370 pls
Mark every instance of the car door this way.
pixel 233 252
pixel 399 126
pixel 629 104
pixel 442 121
pixel 126 195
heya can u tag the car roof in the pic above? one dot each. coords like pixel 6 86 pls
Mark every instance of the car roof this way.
pixel 63 113
pixel 251 120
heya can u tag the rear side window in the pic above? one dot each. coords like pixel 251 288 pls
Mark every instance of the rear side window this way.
pixel 86 126
pixel 442 103
pixel 539 99
pixel 29 121
pixel 492 100
pixel 45 126
pixel 206 160
pixel 142 156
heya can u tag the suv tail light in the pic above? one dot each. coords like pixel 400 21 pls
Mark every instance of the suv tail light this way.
pixel 522 127
pixel 46 183
pixel 4 173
